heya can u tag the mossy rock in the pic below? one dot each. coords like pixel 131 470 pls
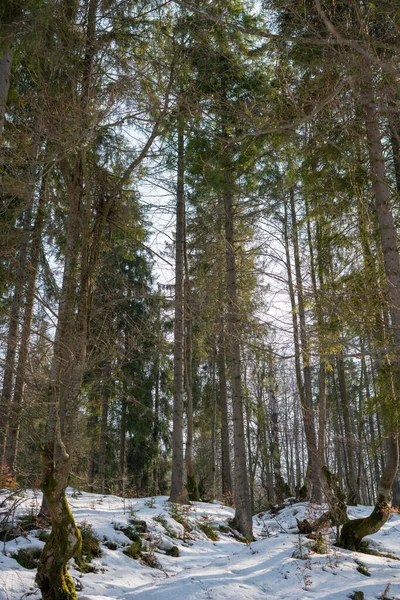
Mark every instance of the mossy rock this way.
pixel 139 525
pixel 131 534
pixel 28 557
pixel 174 551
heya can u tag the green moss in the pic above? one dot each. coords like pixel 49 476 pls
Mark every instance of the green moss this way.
pixel 225 529
pixel 90 549
pixel 129 532
pixel 192 489
pixel 355 530
pixel 233 531
pixel 138 525
pixel 52 577
pixel 28 557
pixel 134 550
pixel 27 522
pixel 362 568
pixel 381 554
pixel 178 514
pixel 163 521
pixel 44 535
pixel 149 559
pixel 208 530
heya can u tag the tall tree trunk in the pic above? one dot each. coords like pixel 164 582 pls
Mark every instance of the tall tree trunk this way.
pixel 178 491
pixel 279 485
pixel 351 475
pixel 354 531
pixel 243 517
pixel 191 485
pixel 52 577
pixel 307 405
pixel 156 428
pixel 293 304
pixel 122 445
pixel 69 355
pixel 213 432
pixel 105 399
pixel 5 76
pixel 319 269
pixel 227 488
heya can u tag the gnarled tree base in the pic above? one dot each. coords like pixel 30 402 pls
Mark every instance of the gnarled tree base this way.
pixel 64 542
pixel 354 531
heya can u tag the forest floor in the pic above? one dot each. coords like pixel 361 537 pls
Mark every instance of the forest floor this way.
pixel 280 564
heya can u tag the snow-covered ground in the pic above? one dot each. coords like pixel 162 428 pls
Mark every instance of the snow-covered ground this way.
pixel 269 568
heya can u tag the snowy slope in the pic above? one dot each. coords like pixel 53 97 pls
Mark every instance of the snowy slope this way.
pixel 206 569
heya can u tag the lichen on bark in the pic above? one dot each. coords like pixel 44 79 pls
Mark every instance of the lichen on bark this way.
pixel 53 579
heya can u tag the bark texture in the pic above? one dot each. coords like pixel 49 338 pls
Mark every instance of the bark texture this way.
pixel 243 517
pixel 178 491
pixel 5 75
pixel 354 531
pixel 227 487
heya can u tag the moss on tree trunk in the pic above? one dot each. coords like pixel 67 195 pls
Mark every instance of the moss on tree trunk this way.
pixel 53 579
pixel 355 530
pixel 192 488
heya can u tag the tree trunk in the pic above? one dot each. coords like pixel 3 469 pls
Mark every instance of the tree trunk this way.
pixel 191 484
pixel 122 446
pixel 52 577
pixel 156 425
pixel 348 434
pixel 279 485
pixel 5 75
pixel 322 412
pixel 178 491
pixel 243 517
pixel 64 542
pixel 105 398
pixel 69 355
pixel 227 488
pixel 354 531
pixel 306 397
pixel 213 432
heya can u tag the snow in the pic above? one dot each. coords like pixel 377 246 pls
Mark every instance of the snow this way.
pixel 266 569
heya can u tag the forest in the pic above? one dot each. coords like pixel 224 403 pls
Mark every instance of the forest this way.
pixel 199 261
